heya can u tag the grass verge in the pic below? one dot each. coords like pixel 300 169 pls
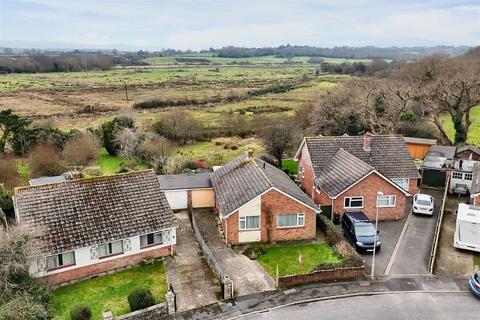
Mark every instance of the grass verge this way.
pixel 290 165
pixel 286 256
pixel 110 292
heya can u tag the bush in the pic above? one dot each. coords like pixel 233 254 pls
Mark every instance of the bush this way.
pixel 45 160
pixel 331 234
pixel 81 149
pixel 110 130
pixel 81 312
pixel 24 307
pixel 254 250
pixel 140 298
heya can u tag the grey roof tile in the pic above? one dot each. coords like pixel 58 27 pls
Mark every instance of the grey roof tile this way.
pixel 341 172
pixel 244 178
pixel 84 212
pixel 185 181
pixel 388 154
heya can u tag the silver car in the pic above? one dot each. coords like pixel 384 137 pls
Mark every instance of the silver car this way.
pixel 423 204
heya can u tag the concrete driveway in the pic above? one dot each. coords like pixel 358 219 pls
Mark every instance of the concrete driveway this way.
pixel 414 249
pixel 247 275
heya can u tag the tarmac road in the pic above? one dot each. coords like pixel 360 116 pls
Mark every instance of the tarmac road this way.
pixel 395 306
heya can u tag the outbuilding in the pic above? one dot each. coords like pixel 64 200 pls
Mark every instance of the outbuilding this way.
pixel 418 147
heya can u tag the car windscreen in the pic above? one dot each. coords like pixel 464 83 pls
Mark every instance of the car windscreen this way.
pixel 364 230
pixel 424 202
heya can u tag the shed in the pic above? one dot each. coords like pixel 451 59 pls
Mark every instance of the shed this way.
pixel 435 165
pixel 418 147
pixel 179 188
pixel 469 151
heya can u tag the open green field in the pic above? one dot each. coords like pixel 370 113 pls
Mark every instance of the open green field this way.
pixel 110 292
pixel 286 257
pixel 474 130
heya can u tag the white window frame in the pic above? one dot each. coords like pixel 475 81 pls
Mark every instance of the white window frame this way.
pixel 62 265
pixel 394 197
pixel 404 184
pixel 350 200
pixel 110 247
pixel 300 215
pixel 244 219
pixel 457 175
pixel 154 243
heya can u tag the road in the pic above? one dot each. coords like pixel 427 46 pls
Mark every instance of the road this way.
pixel 414 250
pixel 399 306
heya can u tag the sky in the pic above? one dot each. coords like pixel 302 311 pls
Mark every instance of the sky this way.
pixel 201 24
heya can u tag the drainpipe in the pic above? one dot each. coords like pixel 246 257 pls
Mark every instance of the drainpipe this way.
pixel 332 213
pixel 226 231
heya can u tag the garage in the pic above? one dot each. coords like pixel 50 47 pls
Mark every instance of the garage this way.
pixel 179 188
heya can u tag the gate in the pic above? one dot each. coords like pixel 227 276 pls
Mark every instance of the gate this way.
pixel 327 211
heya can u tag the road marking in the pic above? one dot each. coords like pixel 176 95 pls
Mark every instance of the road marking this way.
pixel 399 241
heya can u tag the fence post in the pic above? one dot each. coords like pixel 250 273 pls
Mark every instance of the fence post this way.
pixel 170 300
pixel 227 288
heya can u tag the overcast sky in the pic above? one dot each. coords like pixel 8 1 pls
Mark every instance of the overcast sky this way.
pixel 189 24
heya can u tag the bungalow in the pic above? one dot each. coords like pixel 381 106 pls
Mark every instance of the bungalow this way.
pixel 91 226
pixel 259 202
pixel 345 173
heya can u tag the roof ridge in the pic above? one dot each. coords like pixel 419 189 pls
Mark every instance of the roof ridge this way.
pixel 83 180
pixel 263 172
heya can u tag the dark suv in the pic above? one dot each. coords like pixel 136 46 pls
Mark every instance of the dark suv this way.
pixel 360 231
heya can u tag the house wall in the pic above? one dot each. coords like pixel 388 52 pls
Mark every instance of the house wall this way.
pixel 86 259
pixel 269 206
pixel 418 151
pixel 413 186
pixel 368 188
pixel 305 166
pixel 454 182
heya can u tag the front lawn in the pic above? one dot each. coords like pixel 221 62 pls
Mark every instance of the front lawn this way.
pixel 286 256
pixel 110 292
pixel 291 165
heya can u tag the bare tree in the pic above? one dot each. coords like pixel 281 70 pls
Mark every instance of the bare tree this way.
pixel 279 137
pixel 156 152
pixel 8 172
pixel 81 149
pixel 130 142
pixel 45 160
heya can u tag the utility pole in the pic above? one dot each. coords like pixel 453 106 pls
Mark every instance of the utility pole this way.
pixel 126 91
pixel 375 241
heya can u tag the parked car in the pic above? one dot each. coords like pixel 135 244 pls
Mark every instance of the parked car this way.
pixel 423 204
pixel 360 231
pixel 474 284
pixel 460 189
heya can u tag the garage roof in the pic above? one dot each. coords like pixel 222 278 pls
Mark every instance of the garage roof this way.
pixel 185 181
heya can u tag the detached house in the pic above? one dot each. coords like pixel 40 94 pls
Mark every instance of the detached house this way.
pixel 90 226
pixel 345 173
pixel 259 202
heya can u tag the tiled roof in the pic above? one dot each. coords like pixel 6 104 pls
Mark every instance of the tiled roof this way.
pixel 185 181
pixel 84 212
pixel 442 151
pixel 475 189
pixel 413 140
pixel 341 172
pixel 244 178
pixel 470 147
pixel 388 154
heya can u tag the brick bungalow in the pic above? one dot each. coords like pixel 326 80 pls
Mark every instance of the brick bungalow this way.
pixel 90 226
pixel 259 202
pixel 344 173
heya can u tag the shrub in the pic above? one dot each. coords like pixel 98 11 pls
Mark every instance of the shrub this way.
pixel 331 234
pixel 254 250
pixel 81 312
pixel 81 149
pixel 110 130
pixel 24 307
pixel 45 160
pixel 8 172
pixel 140 298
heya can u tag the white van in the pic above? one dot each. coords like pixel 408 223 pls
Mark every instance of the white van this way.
pixel 467 230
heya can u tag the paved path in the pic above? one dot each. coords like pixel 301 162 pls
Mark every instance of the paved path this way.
pixel 392 306
pixel 414 249
pixel 188 273
pixel 247 275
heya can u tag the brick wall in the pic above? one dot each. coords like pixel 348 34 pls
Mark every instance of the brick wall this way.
pixel 273 204
pixel 90 271
pixel 368 188
pixel 323 275
pixel 305 163
pixel 412 186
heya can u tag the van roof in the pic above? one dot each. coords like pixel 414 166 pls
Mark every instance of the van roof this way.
pixel 468 213
pixel 358 216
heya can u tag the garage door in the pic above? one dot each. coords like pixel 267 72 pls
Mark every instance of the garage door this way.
pixel 433 178
pixel 203 198
pixel 177 199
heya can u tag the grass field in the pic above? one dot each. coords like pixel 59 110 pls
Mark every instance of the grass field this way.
pixel 286 257
pixel 110 292
pixel 474 131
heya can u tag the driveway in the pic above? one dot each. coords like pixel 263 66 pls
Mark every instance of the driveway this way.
pixel 247 275
pixel 193 282
pixel 414 249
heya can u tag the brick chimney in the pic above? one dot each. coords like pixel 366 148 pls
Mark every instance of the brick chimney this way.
pixel 367 139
